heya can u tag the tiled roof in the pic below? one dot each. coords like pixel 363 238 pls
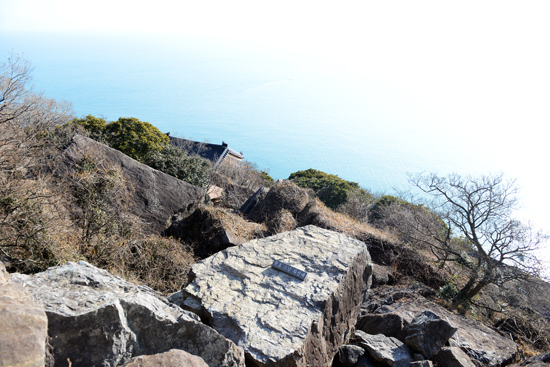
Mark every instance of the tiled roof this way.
pixel 212 152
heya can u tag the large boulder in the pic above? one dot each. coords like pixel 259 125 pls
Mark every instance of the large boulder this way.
pixel 96 318
pixel 483 345
pixel 156 195
pixel 23 325
pixel 277 318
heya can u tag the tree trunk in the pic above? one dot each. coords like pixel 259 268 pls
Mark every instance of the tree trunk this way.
pixel 470 290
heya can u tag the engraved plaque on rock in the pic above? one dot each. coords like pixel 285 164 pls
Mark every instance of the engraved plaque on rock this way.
pixel 290 270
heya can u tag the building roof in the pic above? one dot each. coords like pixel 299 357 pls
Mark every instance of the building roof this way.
pixel 213 152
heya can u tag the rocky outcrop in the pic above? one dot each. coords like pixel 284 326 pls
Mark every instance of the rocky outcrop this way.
pixel 277 318
pixel 23 325
pixel 172 358
pixel 156 195
pixel 96 318
pixel 210 229
pixel 483 345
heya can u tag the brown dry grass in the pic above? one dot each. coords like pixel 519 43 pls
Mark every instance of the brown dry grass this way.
pixel 239 226
pixel 320 215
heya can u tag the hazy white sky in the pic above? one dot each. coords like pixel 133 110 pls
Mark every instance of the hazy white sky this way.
pixel 482 66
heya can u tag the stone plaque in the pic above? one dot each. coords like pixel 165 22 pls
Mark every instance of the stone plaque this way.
pixel 289 270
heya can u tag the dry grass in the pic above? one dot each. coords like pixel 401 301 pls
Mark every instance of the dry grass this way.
pixel 317 213
pixel 239 226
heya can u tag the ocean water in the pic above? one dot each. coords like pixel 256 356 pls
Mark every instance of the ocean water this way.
pixel 285 113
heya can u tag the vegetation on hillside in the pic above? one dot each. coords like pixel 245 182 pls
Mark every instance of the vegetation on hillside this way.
pixel 330 189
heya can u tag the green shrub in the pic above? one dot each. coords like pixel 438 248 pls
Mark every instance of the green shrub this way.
pixel 131 136
pixel 266 176
pixel 135 138
pixel 330 189
pixel 96 127
pixel 175 162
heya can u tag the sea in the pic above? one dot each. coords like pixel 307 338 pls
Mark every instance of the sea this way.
pixel 284 112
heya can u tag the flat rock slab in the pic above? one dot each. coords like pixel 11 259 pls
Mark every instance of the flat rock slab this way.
pixel 279 319
pixel 97 319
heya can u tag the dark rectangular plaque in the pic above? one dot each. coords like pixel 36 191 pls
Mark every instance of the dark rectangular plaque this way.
pixel 290 270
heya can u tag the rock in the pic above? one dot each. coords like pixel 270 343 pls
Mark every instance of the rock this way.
pixel 211 229
pixel 258 196
pixel 453 357
pixel 389 324
pixel 421 364
pixel 172 358
pixel 96 318
pixel 381 275
pixel 283 195
pixel 23 325
pixel 386 351
pixel 156 195
pixel 482 344
pixel 348 355
pixel 427 333
pixel 278 319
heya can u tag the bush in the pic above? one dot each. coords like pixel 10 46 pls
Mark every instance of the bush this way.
pixel 96 127
pixel 135 138
pixel 330 189
pixel 131 136
pixel 175 162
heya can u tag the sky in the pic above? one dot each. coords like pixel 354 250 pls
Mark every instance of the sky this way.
pixel 479 66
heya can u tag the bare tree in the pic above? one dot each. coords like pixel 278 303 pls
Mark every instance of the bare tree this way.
pixel 27 126
pixel 469 220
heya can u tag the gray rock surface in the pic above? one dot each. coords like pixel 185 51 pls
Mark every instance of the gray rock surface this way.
pixel 96 318
pixel 23 325
pixel 385 350
pixel 389 324
pixel 156 195
pixel 278 319
pixel 484 346
pixel 251 202
pixel 172 358
pixel 427 333
pixel 348 355
pixel 453 357
pixel 381 275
